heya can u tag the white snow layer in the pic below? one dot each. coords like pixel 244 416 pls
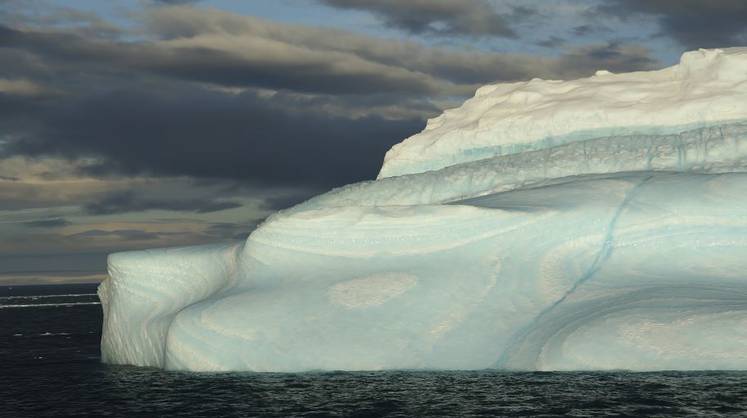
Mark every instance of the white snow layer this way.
pixel 706 87
pixel 591 224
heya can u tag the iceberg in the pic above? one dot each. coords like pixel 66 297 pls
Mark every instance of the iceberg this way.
pixel 591 224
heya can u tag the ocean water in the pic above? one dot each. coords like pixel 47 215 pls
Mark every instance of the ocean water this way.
pixel 49 347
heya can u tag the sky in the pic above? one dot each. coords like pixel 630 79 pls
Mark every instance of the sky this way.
pixel 135 124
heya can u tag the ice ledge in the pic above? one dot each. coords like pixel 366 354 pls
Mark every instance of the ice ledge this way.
pixel 707 87
pixel 716 149
pixel 642 271
pixel 146 289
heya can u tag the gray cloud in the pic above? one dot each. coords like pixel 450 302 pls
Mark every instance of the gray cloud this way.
pixel 123 234
pixel 74 263
pixel 453 71
pixel 210 46
pixel 128 201
pixel 240 59
pixel 274 203
pixel 444 17
pixel 175 1
pixel 217 95
pixel 694 23
pixel 589 29
pixel 47 223
pixel 612 56
pixel 552 42
pixel 107 237
pixel 233 231
pixel 204 134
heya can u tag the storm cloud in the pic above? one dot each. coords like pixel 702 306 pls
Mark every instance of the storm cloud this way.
pixel 128 201
pixel 445 17
pixel 693 23
pixel 201 133
pixel 47 223
pixel 216 95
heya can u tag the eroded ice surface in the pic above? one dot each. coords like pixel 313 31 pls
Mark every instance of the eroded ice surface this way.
pixel 626 249
pixel 707 87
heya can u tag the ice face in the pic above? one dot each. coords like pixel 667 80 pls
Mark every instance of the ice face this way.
pixel 706 88
pixel 626 250
pixel 718 149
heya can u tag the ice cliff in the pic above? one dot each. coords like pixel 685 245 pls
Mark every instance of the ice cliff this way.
pixel 598 223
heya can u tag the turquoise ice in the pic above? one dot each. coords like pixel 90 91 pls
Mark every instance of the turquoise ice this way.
pixel 623 247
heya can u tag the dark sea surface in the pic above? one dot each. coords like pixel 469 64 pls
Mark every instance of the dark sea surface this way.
pixel 49 346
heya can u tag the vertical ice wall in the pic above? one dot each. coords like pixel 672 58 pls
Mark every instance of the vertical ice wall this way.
pixel 706 88
pixel 145 291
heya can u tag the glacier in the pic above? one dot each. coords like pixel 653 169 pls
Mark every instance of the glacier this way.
pixel 591 224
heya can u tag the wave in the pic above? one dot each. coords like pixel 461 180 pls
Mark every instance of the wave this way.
pixel 43 305
pixel 70 295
